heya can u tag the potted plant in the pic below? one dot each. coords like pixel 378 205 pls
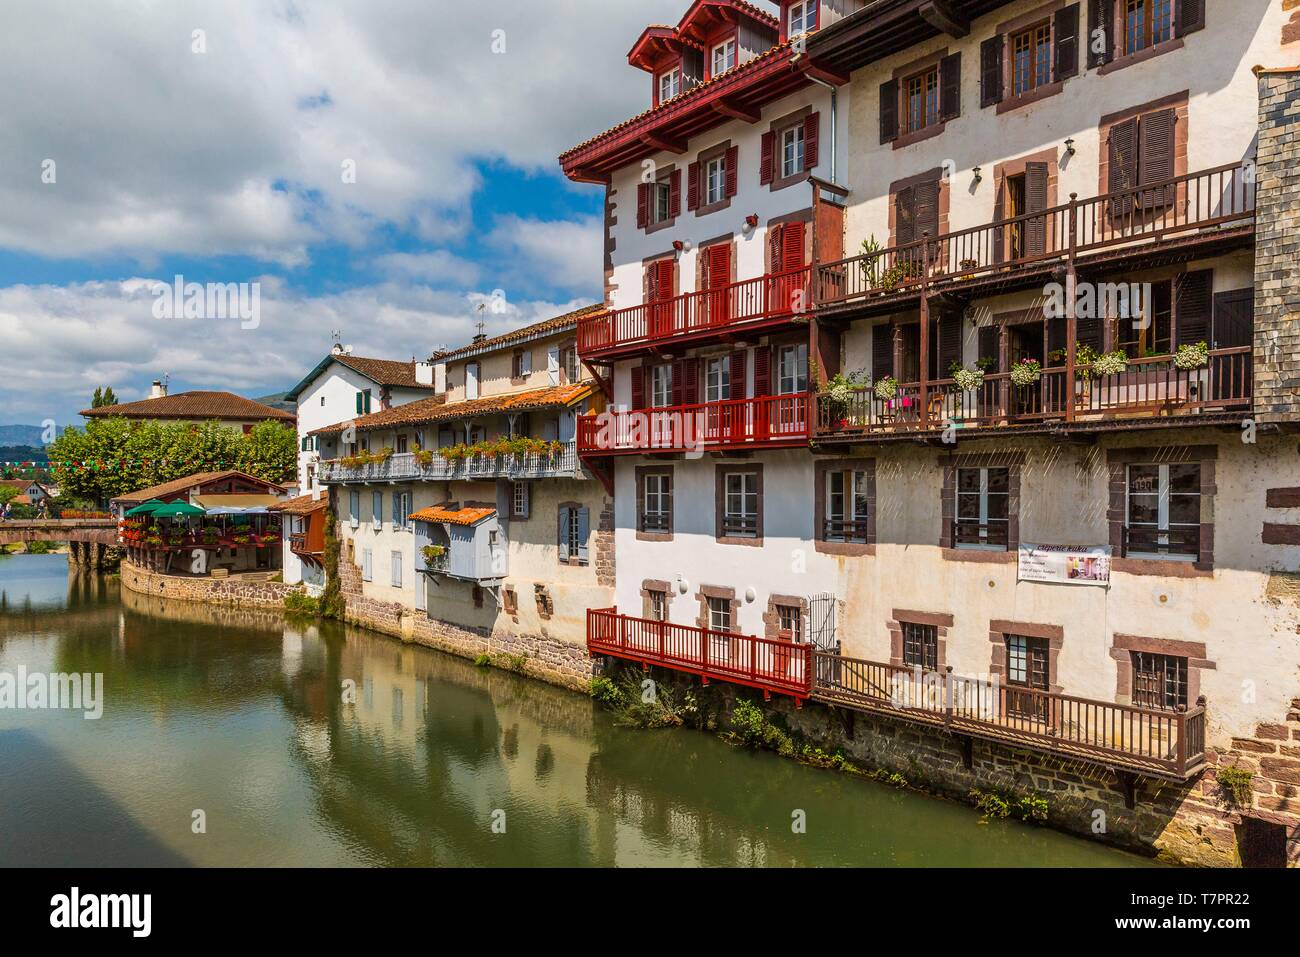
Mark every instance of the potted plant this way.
pixel 870 263
pixel 1112 363
pixel 423 456
pixel 839 394
pixel 432 553
pixel 1026 372
pixel 886 388
pixel 969 380
pixel 1190 357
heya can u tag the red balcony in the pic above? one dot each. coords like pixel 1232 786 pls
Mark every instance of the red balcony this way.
pixel 695 316
pixel 771 665
pixel 779 421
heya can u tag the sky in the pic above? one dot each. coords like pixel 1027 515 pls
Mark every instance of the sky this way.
pixel 380 168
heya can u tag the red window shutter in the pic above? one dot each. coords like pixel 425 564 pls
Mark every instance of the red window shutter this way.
pixel 638 387
pixel 691 373
pixel 792 246
pixel 642 205
pixel 766 155
pixel 889 111
pixel 662 278
pixel 675 193
pixel 762 372
pixel 811 129
pixel 774 253
pixel 738 374
pixel 679 382
pixel 718 264
pixel 693 186
pixel 733 169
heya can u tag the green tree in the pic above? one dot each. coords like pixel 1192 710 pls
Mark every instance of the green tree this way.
pixel 269 451
pixel 103 397
pixel 6 493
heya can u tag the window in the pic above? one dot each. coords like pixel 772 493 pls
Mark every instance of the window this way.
pixel 521 364
pixel 717 379
pixel 1146 23
pixel 715 180
pixel 1164 511
pixel 920 646
pixel 471 380
pixel 367 565
pixel 1031 59
pixel 792 369
pixel 395 565
pixel 306 443
pixel 572 538
pixel 322 402
pixel 792 151
pixel 657 604
pixel 719 614
pixel 569 363
pixel 1145 328
pixel 670 84
pixel 983 496
pixel 519 500
pixel 363 402
pixel 401 444
pixel 661 386
pixel 1027 668
pixel 724 56
pixel 656 513
pixel 573 533
pixel 401 511
pixel 921 100
pixel 789 622
pixel 377 510
pixel 1159 681
pixel 803 17
pixel 354 508
pixel 661 205
pixel 740 507
pixel 846 506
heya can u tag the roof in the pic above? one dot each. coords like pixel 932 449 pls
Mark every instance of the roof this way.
pixel 425 411
pixel 535 331
pixel 696 21
pixel 302 505
pixel 20 484
pixel 385 372
pixel 470 515
pixel 193 405
pixel 181 485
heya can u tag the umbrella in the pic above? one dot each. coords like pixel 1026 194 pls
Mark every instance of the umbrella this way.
pixel 147 508
pixel 177 510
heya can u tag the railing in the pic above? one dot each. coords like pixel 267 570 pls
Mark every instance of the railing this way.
pixel 774 665
pixel 850 531
pixel 405 466
pixel 750 300
pixel 1148 540
pixel 1150 386
pixel 1167 742
pixel 1154 212
pixel 968 534
pixel 780 419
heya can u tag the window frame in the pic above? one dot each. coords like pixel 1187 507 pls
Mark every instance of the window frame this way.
pixel 515 489
pixel 714 175
pixel 1163 526
pixel 809 17
pixel 739 528
pixel 1173 693
pixel 800 151
pixel 674 77
pixel 984 522
pixel 720 608
pixel 1148 26
pixel 662 493
pixel 920 645
pixel 854 491
pixel 1042 42
pixel 799 373
pixel 719 391
pixel 931 99
pixel 729 49
pixel 661 373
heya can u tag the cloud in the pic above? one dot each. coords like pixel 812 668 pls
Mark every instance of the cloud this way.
pixel 567 254
pixel 437 266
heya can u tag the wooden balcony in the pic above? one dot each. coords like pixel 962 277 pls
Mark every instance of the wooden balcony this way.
pixel 1199 213
pixel 695 317
pixel 768 422
pixel 1146 741
pixel 1151 388
pixel 770 665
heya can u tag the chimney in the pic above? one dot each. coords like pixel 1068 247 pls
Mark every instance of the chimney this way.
pixel 479 337
pixel 424 373
pixel 337 349
pixel 157 390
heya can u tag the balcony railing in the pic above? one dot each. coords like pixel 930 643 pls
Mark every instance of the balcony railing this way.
pixel 777 296
pixel 1150 386
pixel 993 534
pixel 1162 743
pixel 1191 205
pixel 1179 542
pixel 772 665
pixel 406 467
pixel 768 421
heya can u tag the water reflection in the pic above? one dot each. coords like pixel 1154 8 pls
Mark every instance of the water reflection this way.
pixel 306 743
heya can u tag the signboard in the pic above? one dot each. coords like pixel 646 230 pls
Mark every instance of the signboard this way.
pixel 1065 564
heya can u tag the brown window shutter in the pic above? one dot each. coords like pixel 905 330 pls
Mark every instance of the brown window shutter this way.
pixel 950 87
pixel 1101 18
pixel 1194 302
pixel 1056 329
pixel 926 199
pixel 889 111
pixel 1123 156
pixel 904 216
pixel 1067 42
pixel 882 351
pixel 988 347
pixel 679 382
pixel 675 193
pixel 642 205
pixel 738 374
pixel 1191 16
pixel 1090 332
pixel 693 186
pixel 1156 156
pixel 1035 202
pixel 733 170
pixel 811 130
pixel 691 375
pixel 792 241
pixel 766 155
pixel 991 71
pixel 1234 319
pixel 762 371
pixel 638 387
pixel 949 342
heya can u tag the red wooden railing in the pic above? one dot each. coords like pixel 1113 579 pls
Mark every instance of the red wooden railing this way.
pixel 750 300
pixel 769 420
pixel 773 665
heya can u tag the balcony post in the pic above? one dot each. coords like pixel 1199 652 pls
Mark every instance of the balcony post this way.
pixel 924 392
pixel 1071 319
pixel 1182 739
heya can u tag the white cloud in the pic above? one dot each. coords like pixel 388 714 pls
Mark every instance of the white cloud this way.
pixel 566 253
pixel 437 266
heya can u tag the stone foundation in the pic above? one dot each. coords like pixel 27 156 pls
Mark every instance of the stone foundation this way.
pixel 217 591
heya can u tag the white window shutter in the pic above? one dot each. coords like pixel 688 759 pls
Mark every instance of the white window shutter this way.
pixel 354 508
pixel 553 365
pixel 563 540
pixel 526 361
pixel 377 510
pixel 366 565
pixel 397 569
pixel 584 529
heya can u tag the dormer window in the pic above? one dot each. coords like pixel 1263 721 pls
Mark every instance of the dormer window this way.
pixel 803 17
pixel 670 84
pixel 724 57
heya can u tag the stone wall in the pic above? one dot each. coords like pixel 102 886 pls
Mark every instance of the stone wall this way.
pixel 218 591
pixel 537 655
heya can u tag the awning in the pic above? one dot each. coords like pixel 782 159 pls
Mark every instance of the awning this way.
pixel 231 510
pixel 147 508
pixel 236 501
pixel 454 516
pixel 177 510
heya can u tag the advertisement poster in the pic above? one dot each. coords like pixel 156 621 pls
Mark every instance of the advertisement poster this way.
pixel 1065 564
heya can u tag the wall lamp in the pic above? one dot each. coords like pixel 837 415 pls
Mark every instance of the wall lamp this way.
pixel 979 178
pixel 1069 146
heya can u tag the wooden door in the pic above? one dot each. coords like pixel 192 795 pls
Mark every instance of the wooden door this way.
pixel 1027 671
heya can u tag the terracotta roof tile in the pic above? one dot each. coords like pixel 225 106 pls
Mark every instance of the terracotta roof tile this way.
pixel 426 411
pixel 384 371
pixel 177 486
pixel 567 321
pixel 193 405
pixel 302 505
pixel 454 516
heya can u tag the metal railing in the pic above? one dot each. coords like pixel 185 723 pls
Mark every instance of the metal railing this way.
pixel 406 466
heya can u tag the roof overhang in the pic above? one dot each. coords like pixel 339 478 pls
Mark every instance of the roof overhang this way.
pixel 706 17
pixel 656 45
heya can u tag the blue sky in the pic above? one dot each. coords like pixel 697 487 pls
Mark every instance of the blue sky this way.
pixel 215 140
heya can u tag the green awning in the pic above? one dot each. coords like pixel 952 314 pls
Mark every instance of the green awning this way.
pixel 178 510
pixel 146 508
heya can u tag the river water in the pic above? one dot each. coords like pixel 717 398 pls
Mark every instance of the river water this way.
pixel 226 740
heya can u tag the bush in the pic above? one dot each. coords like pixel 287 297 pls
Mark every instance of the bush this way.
pixel 747 720
pixel 605 692
pixel 483 660
pixel 993 804
pixel 1235 784
pixel 300 603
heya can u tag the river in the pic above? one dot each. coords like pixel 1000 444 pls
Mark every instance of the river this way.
pixel 226 740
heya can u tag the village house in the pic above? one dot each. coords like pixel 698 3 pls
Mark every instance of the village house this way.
pixel 232 411
pixel 1003 451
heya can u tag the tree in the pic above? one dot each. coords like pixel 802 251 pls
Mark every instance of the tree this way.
pixel 6 493
pixel 269 451
pixel 103 397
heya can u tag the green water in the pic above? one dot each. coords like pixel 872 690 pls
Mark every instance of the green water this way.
pixel 242 717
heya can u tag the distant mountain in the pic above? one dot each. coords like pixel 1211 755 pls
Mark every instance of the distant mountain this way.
pixel 278 401
pixel 21 435
pixel 22 453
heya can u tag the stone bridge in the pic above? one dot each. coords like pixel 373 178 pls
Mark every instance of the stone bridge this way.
pixel 87 537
